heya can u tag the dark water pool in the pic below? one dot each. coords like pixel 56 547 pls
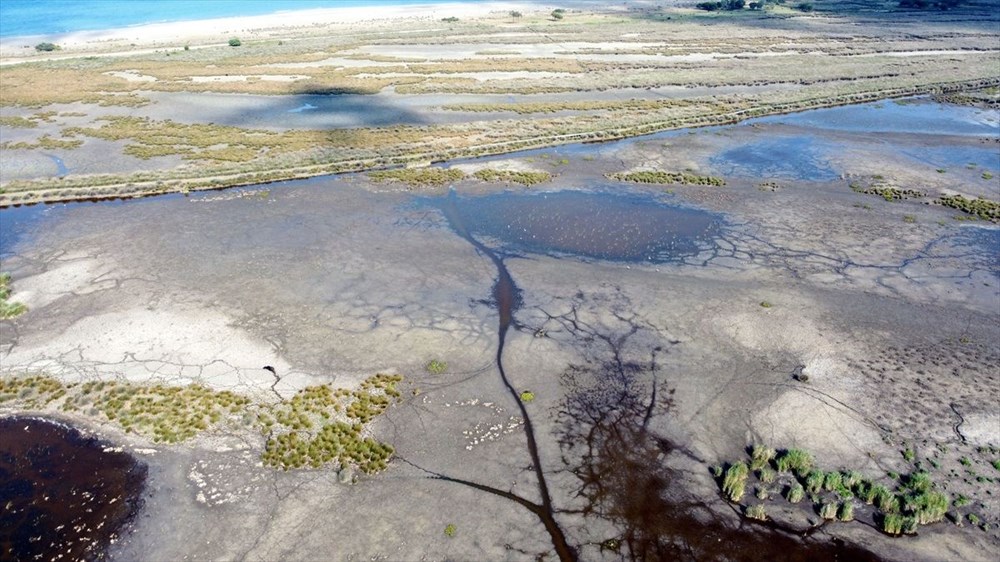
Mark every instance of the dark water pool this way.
pixel 63 494
pixel 600 225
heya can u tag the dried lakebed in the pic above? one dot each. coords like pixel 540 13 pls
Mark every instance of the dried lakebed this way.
pixel 575 356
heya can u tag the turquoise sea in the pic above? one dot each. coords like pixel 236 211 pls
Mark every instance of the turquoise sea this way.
pixel 43 17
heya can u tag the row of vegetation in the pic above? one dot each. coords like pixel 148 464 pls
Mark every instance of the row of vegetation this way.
pixel 899 506
pixel 419 177
pixel 8 308
pixel 525 178
pixel 732 5
pixel 885 191
pixel 667 178
pixel 985 209
pixel 439 177
pixel 301 154
pixel 528 108
pixel 46 142
pixel 318 426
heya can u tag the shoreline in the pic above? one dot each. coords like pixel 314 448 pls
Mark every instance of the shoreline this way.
pixel 19 48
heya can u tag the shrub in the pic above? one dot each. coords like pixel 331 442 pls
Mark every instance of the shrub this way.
pixel 832 481
pixel 795 460
pixel 756 512
pixel 929 507
pixel 760 456
pixel 888 503
pixel 852 479
pixel 828 511
pixel 892 524
pixel 734 483
pixel 767 475
pixel 709 6
pixel 804 7
pixel 8 309
pixel 814 481
pixel 846 512
pixel 47 47
pixel 436 367
pixel 795 493
pixel 919 482
pixel 235 42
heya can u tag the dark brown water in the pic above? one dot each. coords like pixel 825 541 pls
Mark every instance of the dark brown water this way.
pixel 62 494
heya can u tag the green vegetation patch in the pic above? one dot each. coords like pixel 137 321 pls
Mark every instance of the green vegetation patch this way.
pixel 436 367
pixel 18 122
pixel 887 192
pixel 310 429
pixel 45 142
pixel 9 309
pixel 667 178
pixel 319 426
pixel 419 177
pixel 913 500
pixel 512 176
pixel 982 208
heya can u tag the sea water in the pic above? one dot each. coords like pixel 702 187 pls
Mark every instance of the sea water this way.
pixel 49 17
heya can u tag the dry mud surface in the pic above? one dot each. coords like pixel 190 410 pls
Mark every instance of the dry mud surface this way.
pixel 644 371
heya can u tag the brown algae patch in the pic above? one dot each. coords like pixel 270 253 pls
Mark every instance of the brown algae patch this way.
pixel 66 495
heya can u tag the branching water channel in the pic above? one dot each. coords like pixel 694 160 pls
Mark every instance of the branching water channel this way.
pixel 611 398
pixel 507 299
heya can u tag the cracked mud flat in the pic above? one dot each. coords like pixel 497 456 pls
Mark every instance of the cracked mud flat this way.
pixel 646 367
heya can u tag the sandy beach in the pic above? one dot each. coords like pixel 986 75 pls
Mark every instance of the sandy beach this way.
pixel 212 31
